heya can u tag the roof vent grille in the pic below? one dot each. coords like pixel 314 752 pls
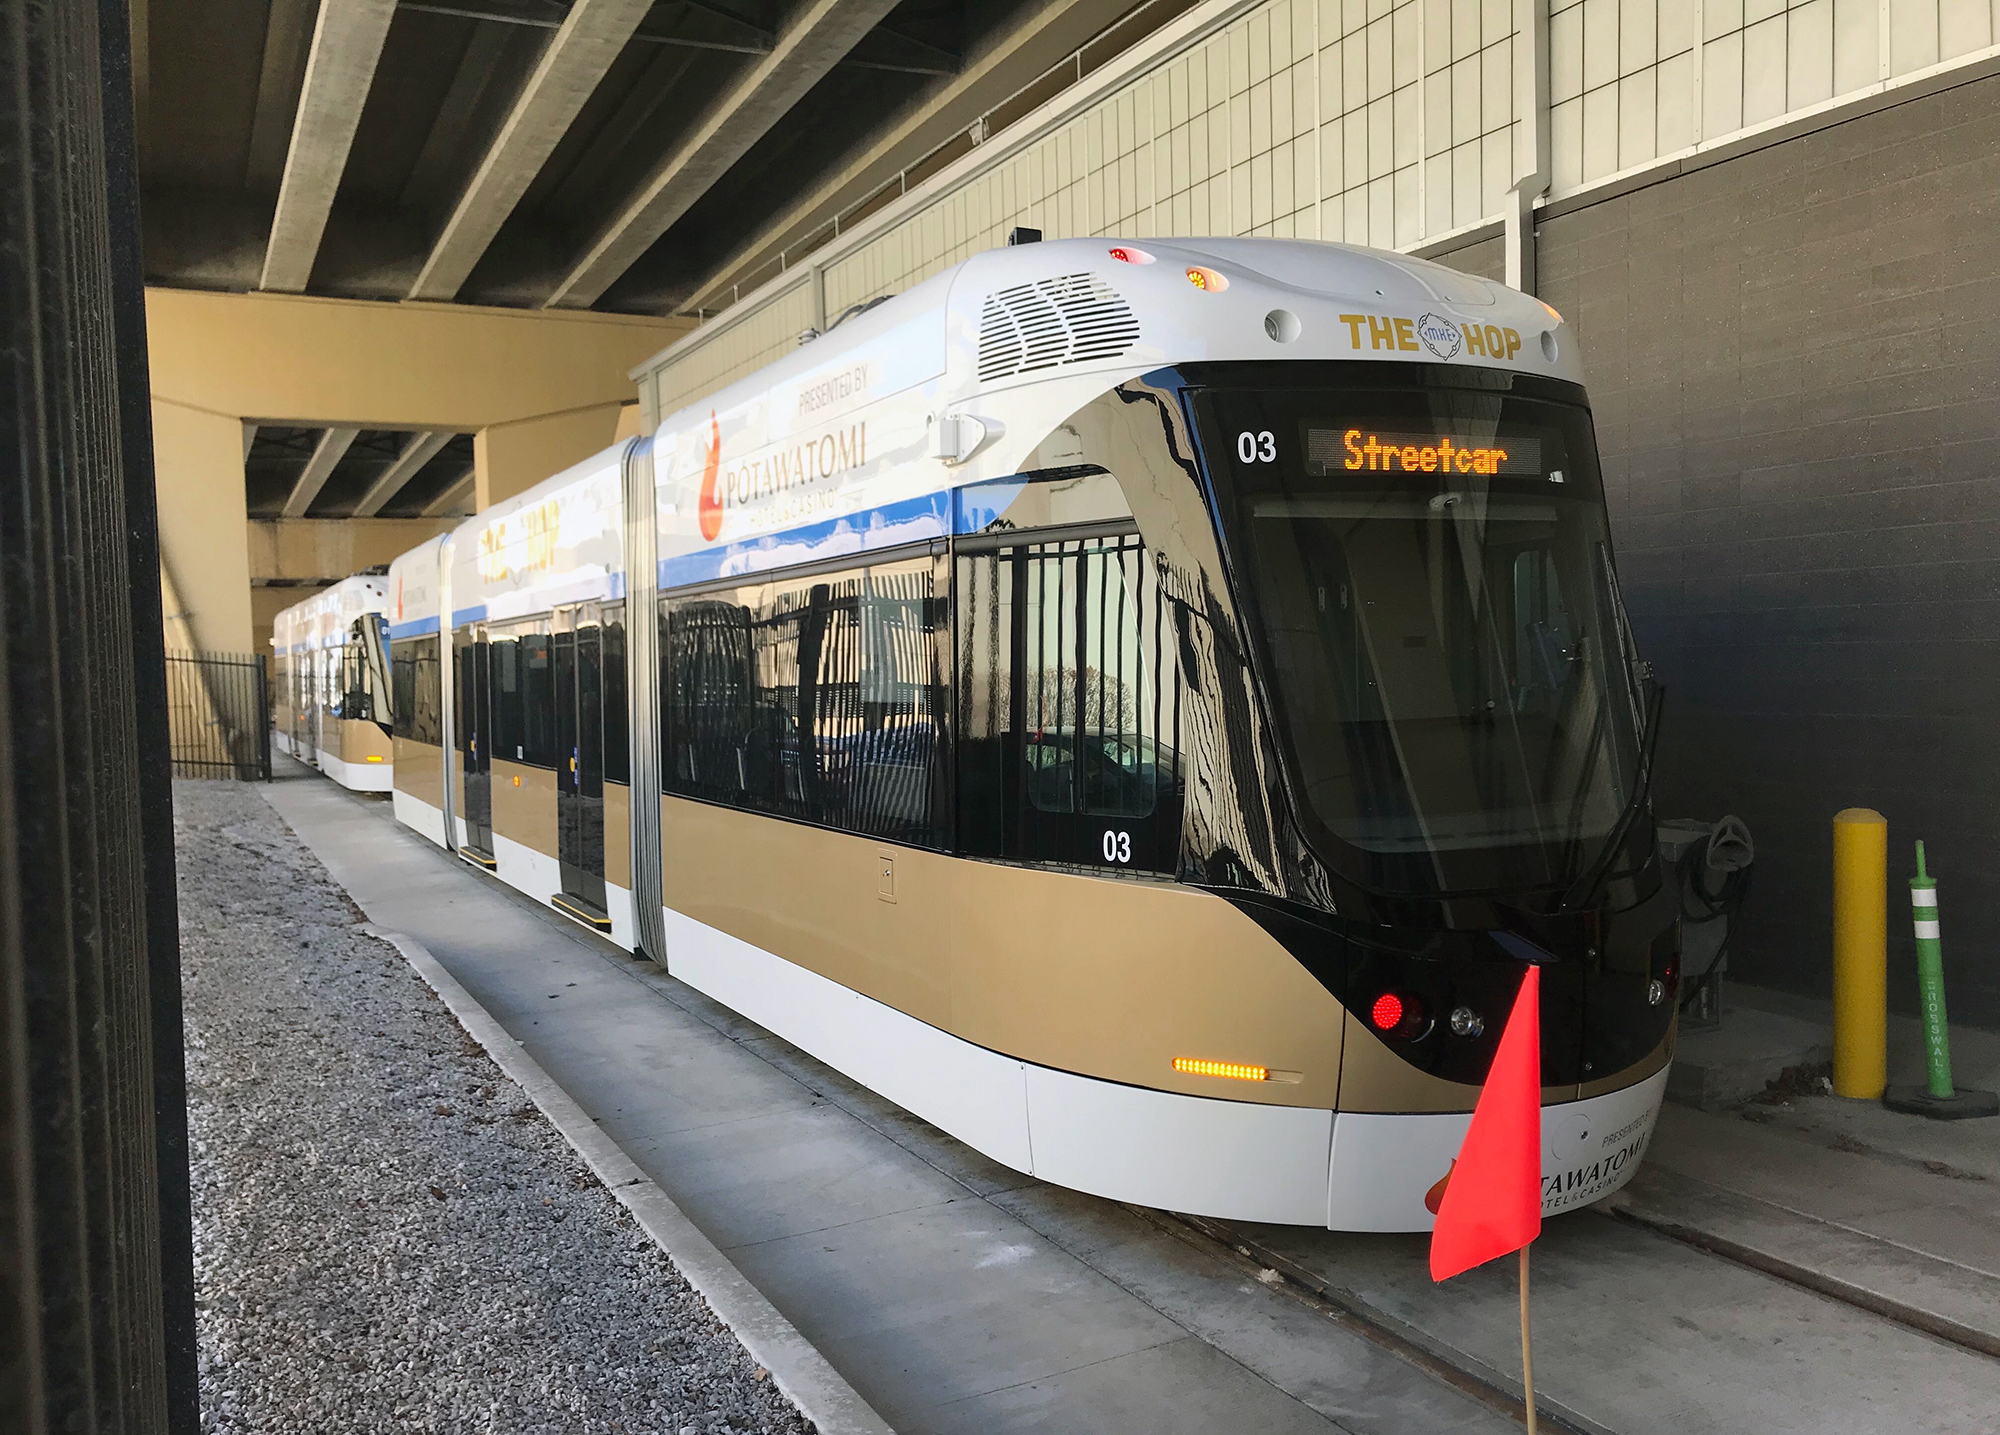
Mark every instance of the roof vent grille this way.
pixel 1065 320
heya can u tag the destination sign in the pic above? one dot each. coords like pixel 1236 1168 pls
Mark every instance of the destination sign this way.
pixel 1357 449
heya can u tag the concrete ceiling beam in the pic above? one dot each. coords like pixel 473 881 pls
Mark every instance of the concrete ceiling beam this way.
pixel 482 66
pixel 1039 36
pixel 346 47
pixel 578 55
pixel 818 36
pixel 420 450
pixel 287 34
pixel 332 447
pixel 452 498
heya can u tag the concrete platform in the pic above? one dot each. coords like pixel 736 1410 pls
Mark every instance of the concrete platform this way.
pixel 1726 1065
pixel 956 1295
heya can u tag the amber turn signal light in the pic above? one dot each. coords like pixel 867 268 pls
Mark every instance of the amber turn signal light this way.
pixel 1235 1070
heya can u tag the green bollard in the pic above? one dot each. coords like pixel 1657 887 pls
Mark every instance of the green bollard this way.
pixel 1937 1098
pixel 1930 979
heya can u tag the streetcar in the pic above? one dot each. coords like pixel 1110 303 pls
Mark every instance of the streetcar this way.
pixel 330 689
pixel 1139 706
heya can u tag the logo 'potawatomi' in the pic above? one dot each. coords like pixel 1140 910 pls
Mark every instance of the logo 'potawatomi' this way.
pixel 710 510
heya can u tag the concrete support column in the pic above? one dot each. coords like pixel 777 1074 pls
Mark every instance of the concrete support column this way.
pixel 198 460
pixel 1532 163
pixel 508 458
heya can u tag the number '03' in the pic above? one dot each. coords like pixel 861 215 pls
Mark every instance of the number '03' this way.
pixel 1117 847
pixel 1259 447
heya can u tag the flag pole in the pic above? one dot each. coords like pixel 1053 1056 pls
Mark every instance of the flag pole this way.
pixel 1527 1356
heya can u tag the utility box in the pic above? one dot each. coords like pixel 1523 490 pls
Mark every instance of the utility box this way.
pixel 1709 864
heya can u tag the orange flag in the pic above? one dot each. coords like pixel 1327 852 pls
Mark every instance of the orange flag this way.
pixel 1493 1200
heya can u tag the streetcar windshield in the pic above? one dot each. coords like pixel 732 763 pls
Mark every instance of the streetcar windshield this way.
pixel 1430 572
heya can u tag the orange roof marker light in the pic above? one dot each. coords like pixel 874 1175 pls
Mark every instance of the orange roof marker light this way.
pixel 1235 1070
pixel 1206 279
pixel 1126 254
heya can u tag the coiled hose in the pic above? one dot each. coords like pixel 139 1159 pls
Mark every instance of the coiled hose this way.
pixel 1714 879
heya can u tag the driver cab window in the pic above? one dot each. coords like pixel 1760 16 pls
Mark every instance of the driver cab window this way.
pixel 1545 641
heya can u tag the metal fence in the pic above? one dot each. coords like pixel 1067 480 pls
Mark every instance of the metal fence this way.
pixel 219 716
pixel 97 1311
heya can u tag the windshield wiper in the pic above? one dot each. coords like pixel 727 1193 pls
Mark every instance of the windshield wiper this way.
pixel 1584 890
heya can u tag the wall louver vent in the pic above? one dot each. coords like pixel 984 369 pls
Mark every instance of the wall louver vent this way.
pixel 1065 320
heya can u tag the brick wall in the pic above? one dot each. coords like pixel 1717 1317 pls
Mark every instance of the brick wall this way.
pixel 1795 362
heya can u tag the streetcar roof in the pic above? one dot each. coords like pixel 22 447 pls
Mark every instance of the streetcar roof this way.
pixel 322 620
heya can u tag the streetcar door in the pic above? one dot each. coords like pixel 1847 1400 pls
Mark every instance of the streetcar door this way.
pixel 475 724
pixel 578 648
pixel 295 702
pixel 315 668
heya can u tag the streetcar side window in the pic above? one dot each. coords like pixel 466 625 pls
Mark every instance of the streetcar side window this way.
pixel 617 709
pixel 820 699
pixel 351 701
pixel 463 712
pixel 418 698
pixel 1069 706
pixel 366 642
pixel 402 685
pixel 429 725
pixel 509 724
pixel 538 701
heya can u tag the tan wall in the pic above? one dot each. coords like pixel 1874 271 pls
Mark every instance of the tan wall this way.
pixel 329 549
pixel 285 357
pixel 304 554
pixel 510 458
pixel 198 460
pixel 539 389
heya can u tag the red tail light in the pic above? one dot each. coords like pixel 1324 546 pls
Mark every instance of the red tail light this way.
pixel 1398 1016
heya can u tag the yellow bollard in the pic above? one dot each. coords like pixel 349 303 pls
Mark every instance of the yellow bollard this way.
pixel 1860 953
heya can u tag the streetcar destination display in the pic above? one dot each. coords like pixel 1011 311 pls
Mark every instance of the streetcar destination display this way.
pixel 1355 449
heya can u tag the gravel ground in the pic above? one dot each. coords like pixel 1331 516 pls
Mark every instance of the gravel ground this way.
pixel 388 1234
